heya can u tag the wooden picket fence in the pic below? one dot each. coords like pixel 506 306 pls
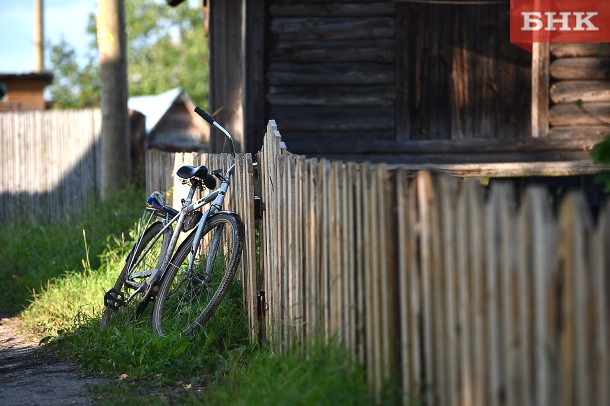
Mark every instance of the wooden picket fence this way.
pixel 466 295
pixel 50 163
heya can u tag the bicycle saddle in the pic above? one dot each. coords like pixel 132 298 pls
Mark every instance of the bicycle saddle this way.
pixel 188 172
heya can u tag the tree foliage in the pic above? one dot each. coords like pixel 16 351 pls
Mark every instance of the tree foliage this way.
pixel 166 48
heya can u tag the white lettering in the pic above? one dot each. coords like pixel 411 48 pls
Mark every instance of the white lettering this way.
pixel 581 20
pixel 529 18
pixel 564 20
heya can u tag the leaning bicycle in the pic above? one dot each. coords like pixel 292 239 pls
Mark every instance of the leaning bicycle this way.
pixel 183 260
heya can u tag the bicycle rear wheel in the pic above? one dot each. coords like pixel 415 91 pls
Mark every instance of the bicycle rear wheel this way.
pixel 138 267
pixel 188 298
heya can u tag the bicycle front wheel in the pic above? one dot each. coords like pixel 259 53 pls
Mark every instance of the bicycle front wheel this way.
pixel 129 297
pixel 188 297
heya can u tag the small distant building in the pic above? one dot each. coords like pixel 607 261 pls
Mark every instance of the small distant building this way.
pixel 24 91
pixel 171 123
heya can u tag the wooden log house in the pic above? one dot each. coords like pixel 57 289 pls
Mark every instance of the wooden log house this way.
pixel 415 82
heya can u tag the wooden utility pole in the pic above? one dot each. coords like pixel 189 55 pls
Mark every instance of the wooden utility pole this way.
pixel 113 76
pixel 38 36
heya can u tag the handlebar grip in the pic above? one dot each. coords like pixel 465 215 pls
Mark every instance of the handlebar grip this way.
pixel 204 115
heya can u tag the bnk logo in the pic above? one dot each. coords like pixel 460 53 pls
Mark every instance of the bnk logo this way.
pixel 533 21
pixel 559 21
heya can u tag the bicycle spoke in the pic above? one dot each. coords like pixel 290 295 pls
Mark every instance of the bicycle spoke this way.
pixel 189 297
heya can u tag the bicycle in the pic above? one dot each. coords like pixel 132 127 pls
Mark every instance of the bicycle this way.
pixel 186 283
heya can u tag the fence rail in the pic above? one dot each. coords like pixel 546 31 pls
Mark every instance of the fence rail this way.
pixel 50 163
pixel 465 294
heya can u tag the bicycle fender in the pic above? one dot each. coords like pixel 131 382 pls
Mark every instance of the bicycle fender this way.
pixel 134 245
pixel 223 212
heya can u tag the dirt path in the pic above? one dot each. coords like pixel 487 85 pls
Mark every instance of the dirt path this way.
pixel 32 375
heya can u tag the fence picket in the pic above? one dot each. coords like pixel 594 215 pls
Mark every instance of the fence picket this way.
pixel 601 282
pixel 499 202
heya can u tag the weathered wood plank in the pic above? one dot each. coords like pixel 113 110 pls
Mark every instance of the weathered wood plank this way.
pixel 452 82
pixel 334 9
pixel 579 50
pixel 387 282
pixel 465 322
pixel 564 139
pixel 572 262
pixel 325 118
pixel 581 69
pixel 601 320
pixel 540 89
pixel 227 68
pixel 585 91
pixel 414 292
pixel 337 74
pixel 426 266
pixel 596 133
pixel 327 29
pixel 331 96
pixel 581 114
pixel 404 226
pixel 254 105
pixel 378 51
pixel 446 190
pixel 498 247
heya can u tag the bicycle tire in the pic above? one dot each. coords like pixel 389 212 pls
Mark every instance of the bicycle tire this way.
pixel 134 309
pixel 186 301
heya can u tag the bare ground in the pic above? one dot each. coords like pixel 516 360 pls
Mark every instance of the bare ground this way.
pixel 33 375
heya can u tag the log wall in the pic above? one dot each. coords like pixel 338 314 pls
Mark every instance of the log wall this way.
pixel 331 71
pixel 580 91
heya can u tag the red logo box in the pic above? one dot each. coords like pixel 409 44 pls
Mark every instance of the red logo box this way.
pixel 559 21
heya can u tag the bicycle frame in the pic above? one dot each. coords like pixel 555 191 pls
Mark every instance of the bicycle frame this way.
pixel 216 198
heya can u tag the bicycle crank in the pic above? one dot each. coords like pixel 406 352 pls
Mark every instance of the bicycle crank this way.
pixel 114 299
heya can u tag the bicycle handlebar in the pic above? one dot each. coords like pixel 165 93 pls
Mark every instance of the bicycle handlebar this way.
pixel 204 115
pixel 201 112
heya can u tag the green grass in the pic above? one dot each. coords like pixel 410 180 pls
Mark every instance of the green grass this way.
pixel 56 275
pixel 34 257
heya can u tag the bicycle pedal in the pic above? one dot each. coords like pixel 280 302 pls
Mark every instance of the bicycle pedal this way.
pixel 114 299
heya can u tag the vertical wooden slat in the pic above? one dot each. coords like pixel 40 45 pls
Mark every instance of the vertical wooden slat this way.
pixel 601 308
pixel 404 226
pixel 369 239
pixel 426 267
pixel 386 287
pixel 349 265
pixel 360 264
pixel 574 226
pixel 446 192
pixel 414 285
pixel 465 316
pixel 334 271
pixel 325 238
pixel 313 237
pixel 543 238
pixel 293 253
pixel 500 209
pixel 540 89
